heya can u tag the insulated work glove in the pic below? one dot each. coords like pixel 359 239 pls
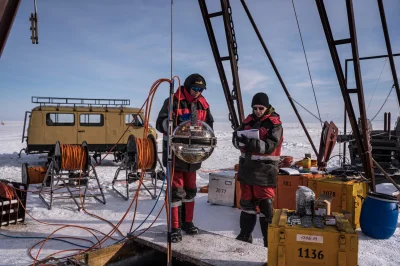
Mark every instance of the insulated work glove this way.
pixel 184 117
pixel 251 145
pixel 237 139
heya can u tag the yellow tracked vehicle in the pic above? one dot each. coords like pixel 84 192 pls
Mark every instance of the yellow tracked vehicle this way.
pixel 99 122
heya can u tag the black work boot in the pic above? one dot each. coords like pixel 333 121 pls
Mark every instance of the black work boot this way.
pixel 247 224
pixel 267 210
pixel 188 227
pixel 264 222
pixel 176 235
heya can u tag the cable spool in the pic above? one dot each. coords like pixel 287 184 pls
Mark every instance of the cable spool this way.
pixel 33 174
pixel 141 153
pixel 71 157
pixel 6 191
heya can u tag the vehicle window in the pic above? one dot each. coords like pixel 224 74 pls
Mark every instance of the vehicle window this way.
pixel 57 119
pixel 91 120
pixel 137 120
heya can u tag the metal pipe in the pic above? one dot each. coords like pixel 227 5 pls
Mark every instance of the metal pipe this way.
pixel 385 122
pixel 345 117
pixel 170 166
pixel 169 152
pixel 389 48
pixel 372 57
pixel 388 123
pixel 278 75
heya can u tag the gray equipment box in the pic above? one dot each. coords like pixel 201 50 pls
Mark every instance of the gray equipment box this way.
pixel 221 188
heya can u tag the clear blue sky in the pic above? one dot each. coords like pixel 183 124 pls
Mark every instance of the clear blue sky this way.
pixel 117 49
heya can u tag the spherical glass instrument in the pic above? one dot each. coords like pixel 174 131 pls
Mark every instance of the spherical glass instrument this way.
pixel 193 141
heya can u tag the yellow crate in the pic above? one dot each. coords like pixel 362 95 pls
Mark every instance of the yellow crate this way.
pixel 299 246
pixel 347 195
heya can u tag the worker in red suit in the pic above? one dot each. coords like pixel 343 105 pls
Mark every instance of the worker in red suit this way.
pixel 258 166
pixel 186 99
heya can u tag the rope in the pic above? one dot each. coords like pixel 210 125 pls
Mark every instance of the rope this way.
pixel 145 149
pixel 73 157
pixel 308 67
pixel 6 191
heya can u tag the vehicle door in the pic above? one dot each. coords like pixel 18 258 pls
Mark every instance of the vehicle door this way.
pixel 91 128
pixel 115 127
pixel 135 124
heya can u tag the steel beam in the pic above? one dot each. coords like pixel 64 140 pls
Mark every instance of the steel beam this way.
pixel 234 118
pixel 362 140
pixel 389 48
pixel 368 165
pixel 8 11
pixel 237 94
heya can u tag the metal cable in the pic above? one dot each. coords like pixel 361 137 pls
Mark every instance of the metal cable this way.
pixel 172 2
pixel 305 55
pixel 169 182
pixel 383 103
pixel 319 119
pixel 376 85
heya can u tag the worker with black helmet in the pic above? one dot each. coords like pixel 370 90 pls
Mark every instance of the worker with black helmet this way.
pixel 187 98
pixel 258 166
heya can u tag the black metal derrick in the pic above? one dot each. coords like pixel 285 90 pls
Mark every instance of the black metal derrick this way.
pixel 8 12
pixel 389 48
pixel 346 68
pixel 232 47
pixel 9 8
pixel 361 134
pixel 234 116
pixel 362 140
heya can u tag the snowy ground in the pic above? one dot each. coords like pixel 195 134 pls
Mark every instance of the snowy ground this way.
pixel 219 219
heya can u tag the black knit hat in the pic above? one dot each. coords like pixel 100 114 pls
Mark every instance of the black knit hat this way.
pixel 195 80
pixel 260 99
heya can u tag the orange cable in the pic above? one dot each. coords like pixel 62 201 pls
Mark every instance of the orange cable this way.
pixel 72 157
pixel 6 191
pixel 152 91
pixel 147 155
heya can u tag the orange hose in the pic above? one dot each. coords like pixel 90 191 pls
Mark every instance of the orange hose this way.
pixel 73 157
pixel 145 149
pixel 6 191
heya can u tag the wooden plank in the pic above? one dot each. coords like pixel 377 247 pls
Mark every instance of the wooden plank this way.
pixel 206 248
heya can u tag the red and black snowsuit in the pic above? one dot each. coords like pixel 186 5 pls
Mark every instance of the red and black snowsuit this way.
pixel 184 179
pixel 258 170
